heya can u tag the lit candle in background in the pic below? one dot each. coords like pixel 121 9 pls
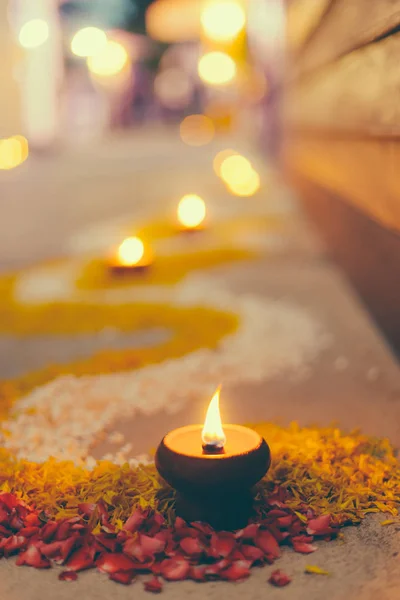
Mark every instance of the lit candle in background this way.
pixel 191 212
pixel 132 256
pixel 213 469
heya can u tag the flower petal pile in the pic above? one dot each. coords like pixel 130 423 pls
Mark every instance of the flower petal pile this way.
pixel 146 543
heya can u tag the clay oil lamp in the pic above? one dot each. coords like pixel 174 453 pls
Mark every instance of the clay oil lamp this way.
pixel 132 256
pixel 213 469
pixel 191 213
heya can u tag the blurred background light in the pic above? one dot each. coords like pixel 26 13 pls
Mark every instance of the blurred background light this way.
pixel 131 251
pixel 197 130
pixel 191 211
pixel 171 21
pixel 173 87
pixel 34 33
pixel 217 68
pixel 13 152
pixel 109 61
pixel 223 20
pixel 220 158
pixel 88 41
pixel 235 169
pixel 248 186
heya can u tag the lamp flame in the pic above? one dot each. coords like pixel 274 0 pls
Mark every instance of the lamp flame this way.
pixel 213 434
pixel 131 252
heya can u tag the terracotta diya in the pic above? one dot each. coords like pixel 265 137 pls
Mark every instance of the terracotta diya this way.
pixel 132 256
pixel 213 468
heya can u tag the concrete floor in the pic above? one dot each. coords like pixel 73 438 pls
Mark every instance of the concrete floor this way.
pixel 45 205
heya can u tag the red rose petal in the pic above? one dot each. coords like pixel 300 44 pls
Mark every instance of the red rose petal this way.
pixel 252 553
pixel 203 527
pixel 133 548
pixel 32 520
pixel 80 560
pixel 284 521
pixel 4 515
pixel 134 521
pixel 33 558
pixel 217 567
pixel 112 563
pixel 307 539
pixel 198 572
pixel 151 545
pixel 179 523
pixel 86 508
pixel 304 548
pixel 63 531
pixel 191 546
pixel 174 569
pixel 68 576
pixel 320 524
pixel 108 542
pixel 276 512
pixel 28 531
pixel 5 531
pixel 67 546
pixel 153 585
pixel 102 509
pixel 124 577
pixel 279 535
pixel 48 531
pixel 157 522
pixel 9 500
pixel 238 571
pixel 52 550
pixel 237 555
pixel 221 544
pixel 268 544
pixel 279 578
pixel 14 544
pixel 248 533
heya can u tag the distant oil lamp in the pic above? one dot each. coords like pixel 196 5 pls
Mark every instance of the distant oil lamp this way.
pixel 191 213
pixel 213 469
pixel 132 256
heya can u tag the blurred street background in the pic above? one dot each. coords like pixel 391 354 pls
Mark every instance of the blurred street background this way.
pixel 101 101
pixel 119 108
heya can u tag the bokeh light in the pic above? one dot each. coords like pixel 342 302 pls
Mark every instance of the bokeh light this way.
pixel 235 169
pixel 237 172
pixel 220 158
pixel 191 211
pixel 88 41
pixel 34 33
pixel 247 187
pixel 223 20
pixel 173 87
pixel 197 130
pixel 217 68
pixel 131 251
pixel 109 61
pixel 13 152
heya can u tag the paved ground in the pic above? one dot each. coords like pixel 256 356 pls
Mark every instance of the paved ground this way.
pixel 356 381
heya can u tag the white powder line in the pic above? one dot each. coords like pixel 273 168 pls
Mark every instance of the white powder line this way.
pixel 273 337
